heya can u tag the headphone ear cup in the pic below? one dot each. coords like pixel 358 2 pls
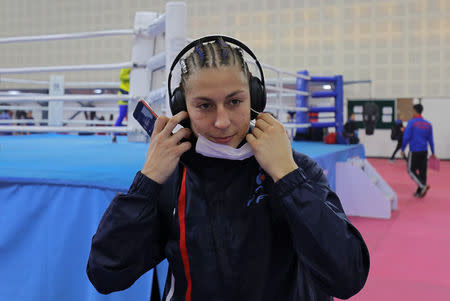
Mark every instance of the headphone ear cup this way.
pixel 177 102
pixel 258 96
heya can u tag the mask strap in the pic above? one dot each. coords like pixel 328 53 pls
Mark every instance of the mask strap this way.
pixel 254 111
pixel 252 122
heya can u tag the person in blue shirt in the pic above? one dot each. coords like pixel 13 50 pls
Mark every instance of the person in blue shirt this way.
pixel 418 134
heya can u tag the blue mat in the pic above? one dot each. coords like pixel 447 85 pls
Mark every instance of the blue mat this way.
pixel 93 161
pixel 53 192
pixel 89 161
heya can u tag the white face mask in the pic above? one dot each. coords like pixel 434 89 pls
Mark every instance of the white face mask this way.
pixel 216 150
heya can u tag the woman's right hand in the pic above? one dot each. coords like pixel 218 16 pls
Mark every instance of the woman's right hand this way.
pixel 165 149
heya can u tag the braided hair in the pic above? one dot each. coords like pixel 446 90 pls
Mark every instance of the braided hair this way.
pixel 212 55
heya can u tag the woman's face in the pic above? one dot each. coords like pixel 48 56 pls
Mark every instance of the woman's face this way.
pixel 218 104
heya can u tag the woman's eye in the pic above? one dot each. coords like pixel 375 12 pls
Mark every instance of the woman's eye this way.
pixel 204 106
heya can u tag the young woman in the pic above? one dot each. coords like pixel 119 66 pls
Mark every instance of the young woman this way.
pixel 236 212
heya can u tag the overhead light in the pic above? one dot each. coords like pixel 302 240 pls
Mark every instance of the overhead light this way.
pixel 98 91
pixel 13 92
pixel 327 87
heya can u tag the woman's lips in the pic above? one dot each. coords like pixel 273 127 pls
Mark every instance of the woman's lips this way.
pixel 222 140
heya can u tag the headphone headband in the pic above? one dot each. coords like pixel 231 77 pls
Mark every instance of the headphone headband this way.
pixel 210 39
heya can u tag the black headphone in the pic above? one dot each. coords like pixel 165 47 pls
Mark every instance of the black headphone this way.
pixel 177 99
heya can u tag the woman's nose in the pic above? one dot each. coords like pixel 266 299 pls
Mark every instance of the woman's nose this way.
pixel 222 118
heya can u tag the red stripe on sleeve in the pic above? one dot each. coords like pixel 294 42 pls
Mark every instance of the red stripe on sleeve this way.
pixel 183 247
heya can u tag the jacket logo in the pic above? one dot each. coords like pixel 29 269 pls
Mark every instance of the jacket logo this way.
pixel 259 192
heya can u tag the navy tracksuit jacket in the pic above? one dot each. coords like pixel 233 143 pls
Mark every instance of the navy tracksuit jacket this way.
pixel 243 237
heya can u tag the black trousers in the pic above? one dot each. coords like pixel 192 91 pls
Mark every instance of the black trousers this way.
pixel 397 148
pixel 417 167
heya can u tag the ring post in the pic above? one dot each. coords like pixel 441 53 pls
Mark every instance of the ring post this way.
pixel 339 103
pixel 140 78
pixel 175 40
pixel 302 101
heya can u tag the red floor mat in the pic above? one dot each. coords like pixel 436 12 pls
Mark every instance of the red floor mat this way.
pixel 410 253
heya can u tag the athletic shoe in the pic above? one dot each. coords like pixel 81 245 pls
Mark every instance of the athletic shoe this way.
pixel 424 191
pixel 391 161
pixel 416 194
pixel 114 139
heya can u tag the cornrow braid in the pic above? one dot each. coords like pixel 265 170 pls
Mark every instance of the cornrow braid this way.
pixel 224 49
pixel 212 55
pixel 200 53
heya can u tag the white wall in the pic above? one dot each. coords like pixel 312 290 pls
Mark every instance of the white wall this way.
pixel 403 46
pixel 435 110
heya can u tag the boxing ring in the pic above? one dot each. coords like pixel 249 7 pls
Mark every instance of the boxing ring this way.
pixel 55 185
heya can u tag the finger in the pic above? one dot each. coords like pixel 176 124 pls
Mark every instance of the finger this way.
pixel 160 123
pixel 266 117
pixel 180 134
pixel 183 147
pixel 257 132
pixel 261 124
pixel 251 139
pixel 174 121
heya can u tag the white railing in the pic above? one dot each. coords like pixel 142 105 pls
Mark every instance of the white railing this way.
pixel 147 27
pixel 63 129
pixel 96 67
pixel 66 84
pixel 68 36
pixel 64 98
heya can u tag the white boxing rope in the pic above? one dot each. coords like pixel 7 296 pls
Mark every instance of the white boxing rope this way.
pixel 24 108
pixel 23 81
pixel 15 93
pixel 272 68
pixel 91 109
pixel 96 122
pixel 296 92
pixel 12 121
pixel 82 109
pixel 66 84
pixel 68 36
pixel 283 80
pixel 99 85
pixel 66 121
pixel 95 67
pixel 287 108
pixel 296 125
pixel 286 72
pixel 277 95
pixel 99 97
pixel 63 129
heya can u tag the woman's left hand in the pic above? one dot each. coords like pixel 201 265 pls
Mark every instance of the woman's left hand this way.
pixel 271 146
